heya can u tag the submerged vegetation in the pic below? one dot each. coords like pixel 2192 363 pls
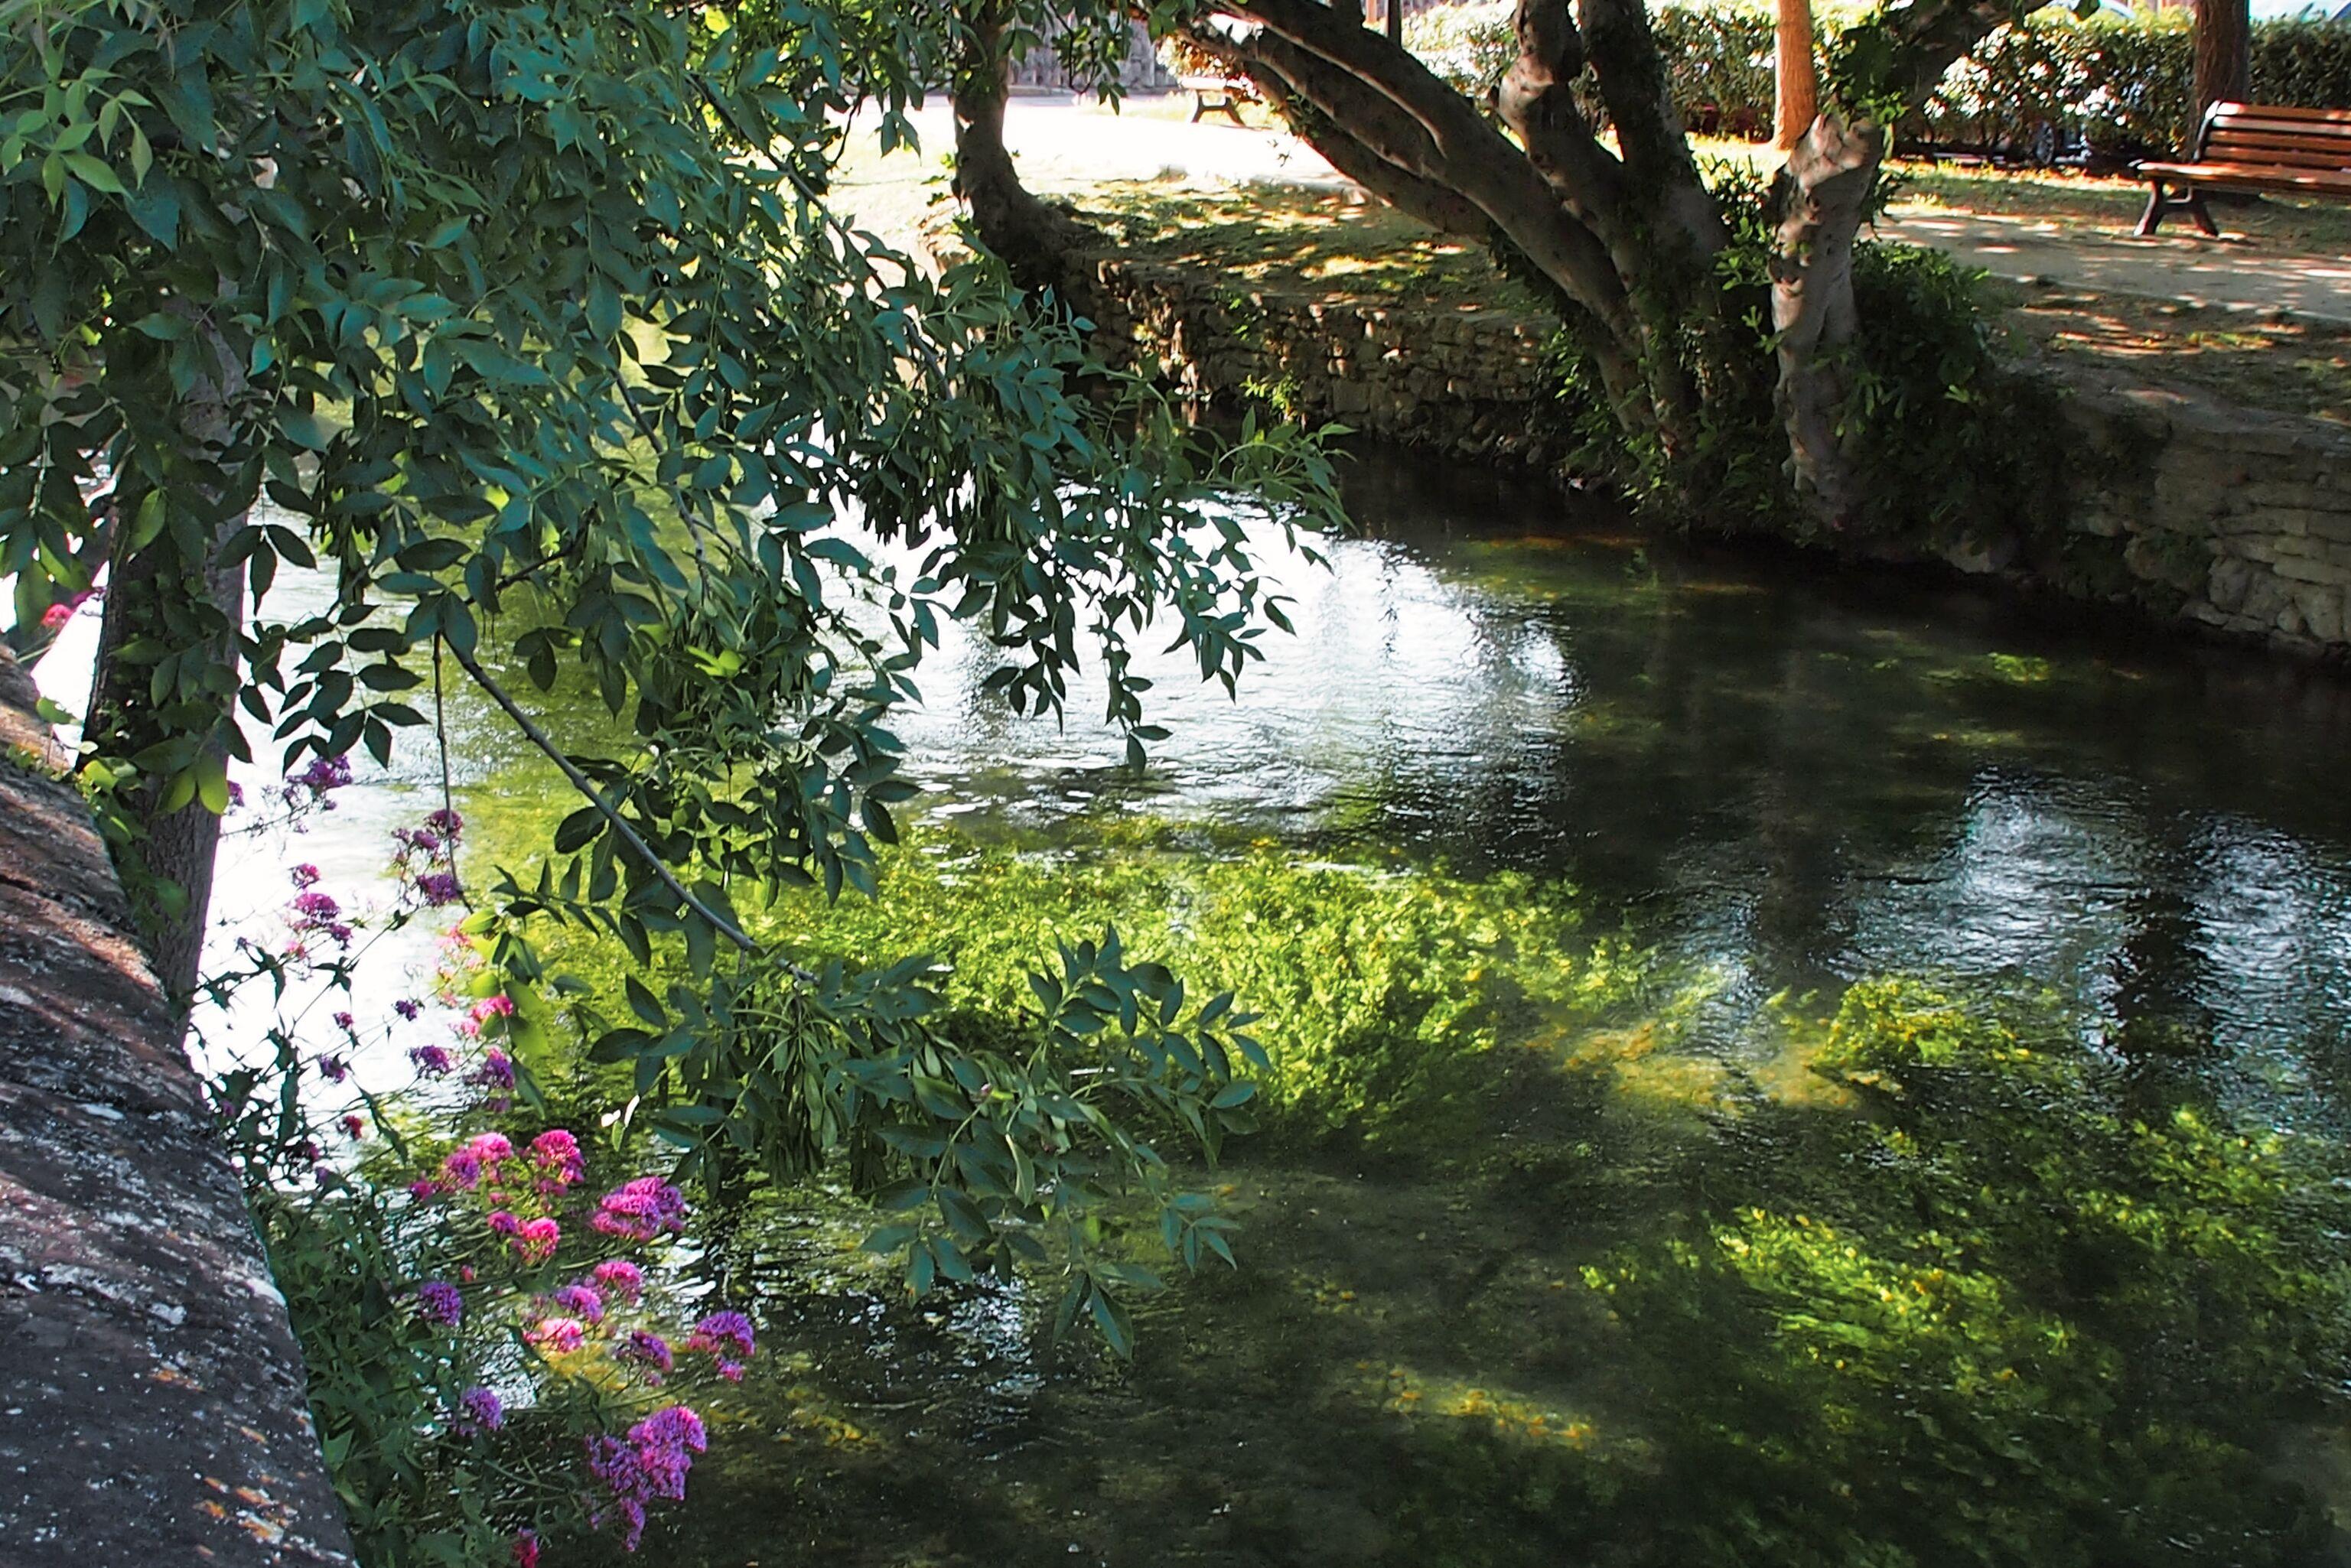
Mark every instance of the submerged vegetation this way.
pixel 1941 1276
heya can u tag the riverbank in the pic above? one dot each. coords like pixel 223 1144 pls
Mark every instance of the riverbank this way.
pixel 2230 520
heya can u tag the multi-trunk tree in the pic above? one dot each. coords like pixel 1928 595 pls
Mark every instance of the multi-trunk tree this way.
pixel 1657 277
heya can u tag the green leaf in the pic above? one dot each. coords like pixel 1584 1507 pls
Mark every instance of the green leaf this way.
pixel 643 1003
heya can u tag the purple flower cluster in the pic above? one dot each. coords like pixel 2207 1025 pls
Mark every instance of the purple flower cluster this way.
pixel 725 1339
pixel 582 1301
pixel 312 912
pixel 325 773
pixel 433 1061
pixel 439 1301
pixel 650 1464
pixel 640 1210
pixel 644 1345
pixel 438 887
pixel 482 1409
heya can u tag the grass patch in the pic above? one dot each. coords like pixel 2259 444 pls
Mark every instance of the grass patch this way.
pixel 1332 243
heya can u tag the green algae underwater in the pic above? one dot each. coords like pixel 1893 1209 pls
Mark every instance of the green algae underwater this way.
pixel 1525 1278
pixel 1764 1072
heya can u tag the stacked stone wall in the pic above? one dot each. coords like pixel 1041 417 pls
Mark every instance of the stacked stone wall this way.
pixel 2223 518
pixel 154 1408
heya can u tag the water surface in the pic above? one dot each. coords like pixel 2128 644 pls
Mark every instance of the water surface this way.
pixel 1769 780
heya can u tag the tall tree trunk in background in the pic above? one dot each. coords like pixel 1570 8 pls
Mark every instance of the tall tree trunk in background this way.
pixel 2224 57
pixel 1395 23
pixel 1028 234
pixel 176 579
pixel 1797 87
pixel 1821 196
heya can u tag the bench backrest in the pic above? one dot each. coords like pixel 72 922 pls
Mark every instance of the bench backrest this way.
pixel 2285 138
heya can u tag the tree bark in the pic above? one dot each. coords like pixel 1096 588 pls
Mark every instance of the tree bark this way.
pixel 151 584
pixel 2224 59
pixel 1796 88
pixel 1823 193
pixel 1030 234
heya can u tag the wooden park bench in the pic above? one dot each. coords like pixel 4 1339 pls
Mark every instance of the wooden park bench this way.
pixel 1229 92
pixel 2253 146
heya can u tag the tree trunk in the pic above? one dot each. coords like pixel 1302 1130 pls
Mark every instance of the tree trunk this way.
pixel 1796 88
pixel 1823 193
pixel 1395 23
pixel 2224 60
pixel 151 585
pixel 1030 236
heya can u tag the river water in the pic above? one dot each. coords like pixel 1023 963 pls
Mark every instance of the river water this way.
pixel 1767 780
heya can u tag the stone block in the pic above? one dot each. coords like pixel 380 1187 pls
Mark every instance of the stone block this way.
pixel 2300 569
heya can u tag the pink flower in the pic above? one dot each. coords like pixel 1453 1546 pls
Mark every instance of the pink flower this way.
pixel 55 616
pixel 356 1126
pixel 621 1276
pixel 500 1006
pixel 525 1549
pixel 304 875
pixel 557 1153
pixel 345 1022
pixel 555 1336
pixel 420 1189
pixel 537 1239
pixel 503 1223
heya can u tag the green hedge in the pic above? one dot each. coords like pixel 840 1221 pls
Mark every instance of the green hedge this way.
pixel 2124 86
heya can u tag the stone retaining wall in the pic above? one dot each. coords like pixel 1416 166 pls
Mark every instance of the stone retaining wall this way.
pixel 153 1403
pixel 2225 518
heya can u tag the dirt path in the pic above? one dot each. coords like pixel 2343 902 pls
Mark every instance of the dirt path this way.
pixel 2230 272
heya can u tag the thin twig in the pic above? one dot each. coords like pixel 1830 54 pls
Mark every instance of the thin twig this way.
pixel 441 734
pixel 629 835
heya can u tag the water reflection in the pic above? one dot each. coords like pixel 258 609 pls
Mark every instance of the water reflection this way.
pixel 1785 778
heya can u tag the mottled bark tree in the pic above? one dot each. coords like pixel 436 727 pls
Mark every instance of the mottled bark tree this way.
pixel 1620 225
